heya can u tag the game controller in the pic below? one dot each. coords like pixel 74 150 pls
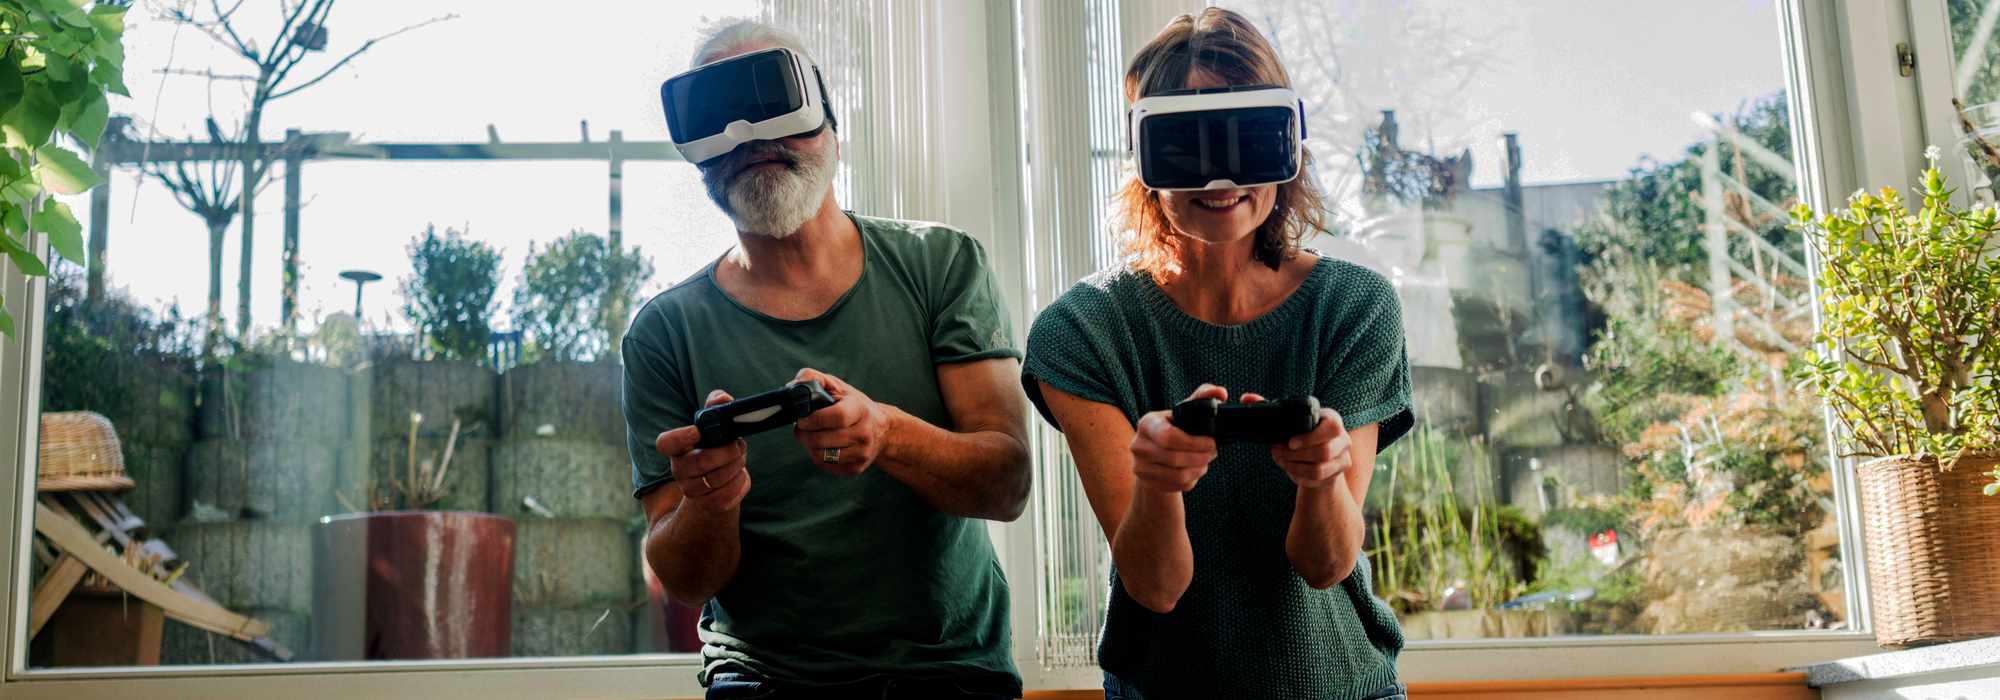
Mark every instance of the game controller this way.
pixel 1268 422
pixel 724 423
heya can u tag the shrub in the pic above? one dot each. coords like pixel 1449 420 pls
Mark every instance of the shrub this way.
pixel 449 294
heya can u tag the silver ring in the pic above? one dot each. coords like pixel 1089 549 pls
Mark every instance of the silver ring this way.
pixel 830 455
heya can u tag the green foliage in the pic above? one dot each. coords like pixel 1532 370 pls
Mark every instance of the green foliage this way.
pixel 1588 518
pixel 450 295
pixel 561 304
pixel 87 343
pixel 1645 352
pixel 1440 526
pixel 60 58
pixel 1964 16
pixel 1910 335
pixel 1655 215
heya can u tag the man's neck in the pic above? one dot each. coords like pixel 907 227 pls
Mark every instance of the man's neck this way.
pixel 817 251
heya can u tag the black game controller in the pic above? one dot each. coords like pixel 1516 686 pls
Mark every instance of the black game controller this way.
pixel 1269 422
pixel 722 424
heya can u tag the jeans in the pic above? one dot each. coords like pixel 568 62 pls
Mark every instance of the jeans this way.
pixel 1116 688
pixel 730 685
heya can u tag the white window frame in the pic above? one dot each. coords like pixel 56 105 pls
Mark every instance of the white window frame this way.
pixel 1859 122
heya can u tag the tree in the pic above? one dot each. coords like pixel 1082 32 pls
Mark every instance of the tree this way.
pixel 449 294
pixel 301 32
pixel 208 189
pixel 1351 59
pixel 565 302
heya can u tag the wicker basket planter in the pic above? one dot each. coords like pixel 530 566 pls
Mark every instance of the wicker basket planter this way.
pixel 1933 545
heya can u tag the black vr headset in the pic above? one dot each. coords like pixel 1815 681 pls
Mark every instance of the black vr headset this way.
pixel 758 96
pixel 1217 138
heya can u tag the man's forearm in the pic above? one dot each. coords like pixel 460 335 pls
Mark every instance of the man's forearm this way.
pixel 977 474
pixel 694 552
pixel 1324 539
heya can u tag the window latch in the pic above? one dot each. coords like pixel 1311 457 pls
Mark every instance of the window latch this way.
pixel 1906 60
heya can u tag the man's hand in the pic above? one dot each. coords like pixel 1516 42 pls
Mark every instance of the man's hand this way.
pixel 853 430
pixel 1314 460
pixel 1166 459
pixel 712 480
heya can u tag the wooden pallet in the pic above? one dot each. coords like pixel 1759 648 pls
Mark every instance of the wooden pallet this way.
pixel 74 550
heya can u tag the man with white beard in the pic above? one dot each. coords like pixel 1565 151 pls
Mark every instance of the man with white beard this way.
pixel 857 566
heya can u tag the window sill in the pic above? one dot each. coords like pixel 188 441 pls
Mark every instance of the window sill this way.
pixel 1937 660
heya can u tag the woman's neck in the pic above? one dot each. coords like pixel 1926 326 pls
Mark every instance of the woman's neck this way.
pixel 1225 284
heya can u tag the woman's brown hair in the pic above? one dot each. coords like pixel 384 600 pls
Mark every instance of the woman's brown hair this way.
pixel 1222 44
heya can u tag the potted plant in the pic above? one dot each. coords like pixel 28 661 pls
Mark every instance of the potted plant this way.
pixel 1909 350
pixel 397 581
pixel 419 568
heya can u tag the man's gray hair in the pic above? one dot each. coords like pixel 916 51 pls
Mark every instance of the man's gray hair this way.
pixel 735 33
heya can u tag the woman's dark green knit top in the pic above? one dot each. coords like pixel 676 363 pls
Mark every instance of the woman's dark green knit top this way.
pixel 1248 626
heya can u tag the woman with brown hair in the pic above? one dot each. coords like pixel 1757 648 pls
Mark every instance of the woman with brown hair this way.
pixel 1238 567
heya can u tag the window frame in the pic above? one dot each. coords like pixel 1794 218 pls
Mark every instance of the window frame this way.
pixel 1857 122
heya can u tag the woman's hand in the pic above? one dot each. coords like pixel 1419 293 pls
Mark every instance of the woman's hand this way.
pixel 1164 458
pixel 1314 460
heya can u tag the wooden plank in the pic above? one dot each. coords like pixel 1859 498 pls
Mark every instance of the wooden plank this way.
pixel 152 626
pixel 70 535
pixel 52 591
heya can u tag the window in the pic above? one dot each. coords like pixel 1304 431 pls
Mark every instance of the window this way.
pixel 1584 214
pixel 468 168
pixel 1576 392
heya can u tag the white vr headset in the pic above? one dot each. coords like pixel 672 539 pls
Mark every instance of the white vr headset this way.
pixel 758 96
pixel 1217 138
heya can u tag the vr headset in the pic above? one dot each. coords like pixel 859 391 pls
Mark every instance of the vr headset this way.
pixel 758 96
pixel 1217 138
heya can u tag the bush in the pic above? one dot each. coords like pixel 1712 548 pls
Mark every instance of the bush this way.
pixel 561 301
pixel 449 294
pixel 87 343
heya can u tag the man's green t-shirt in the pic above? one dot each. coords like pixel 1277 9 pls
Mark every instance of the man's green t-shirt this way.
pixel 841 578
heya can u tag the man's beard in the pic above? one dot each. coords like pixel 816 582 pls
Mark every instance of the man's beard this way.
pixel 769 201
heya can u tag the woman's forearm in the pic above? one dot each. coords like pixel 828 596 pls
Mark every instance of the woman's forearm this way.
pixel 1155 560
pixel 1326 534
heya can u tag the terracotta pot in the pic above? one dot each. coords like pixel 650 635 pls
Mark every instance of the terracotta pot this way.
pixel 1933 542
pixel 413 585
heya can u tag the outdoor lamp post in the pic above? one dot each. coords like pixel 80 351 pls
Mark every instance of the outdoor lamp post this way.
pixel 361 278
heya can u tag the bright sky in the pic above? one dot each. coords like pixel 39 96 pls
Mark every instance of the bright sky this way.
pixel 1590 86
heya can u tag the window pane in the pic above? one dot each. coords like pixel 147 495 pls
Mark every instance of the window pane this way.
pixel 1976 84
pixel 474 383
pixel 1585 220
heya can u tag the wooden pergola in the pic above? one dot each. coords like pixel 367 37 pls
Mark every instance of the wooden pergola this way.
pixel 299 147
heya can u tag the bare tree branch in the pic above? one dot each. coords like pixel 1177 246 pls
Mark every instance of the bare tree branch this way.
pixel 358 51
pixel 281 41
pixel 222 17
pixel 205 73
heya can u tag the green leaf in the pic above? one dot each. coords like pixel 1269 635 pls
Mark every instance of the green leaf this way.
pixel 109 21
pixel 1992 488
pixel 10 84
pixel 6 323
pixel 56 221
pixel 29 264
pixel 63 172
pixel 20 194
pixel 29 124
pixel 112 76
pixel 88 126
